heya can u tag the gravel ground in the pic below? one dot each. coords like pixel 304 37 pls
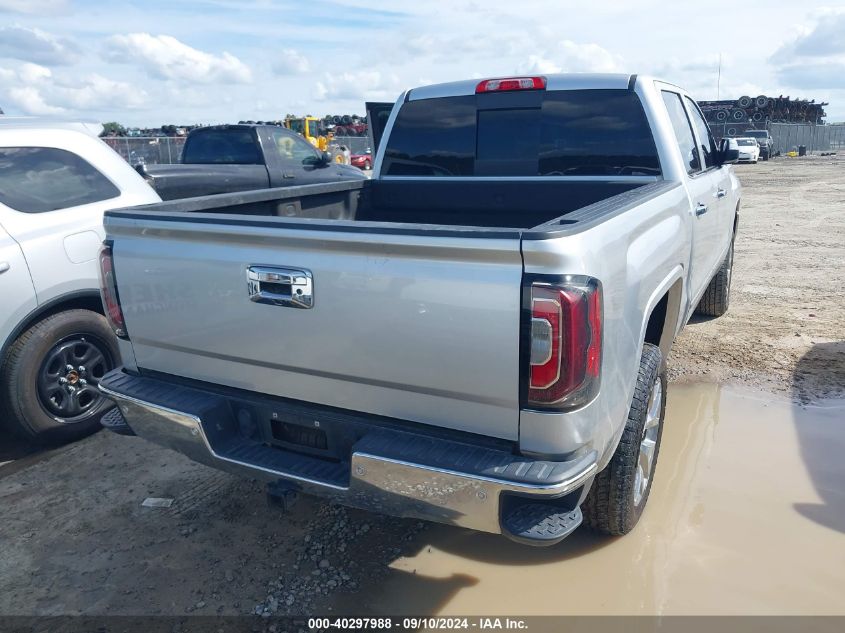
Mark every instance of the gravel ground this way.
pixel 785 330
pixel 76 540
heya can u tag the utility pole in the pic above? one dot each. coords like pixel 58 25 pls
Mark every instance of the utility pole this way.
pixel 719 78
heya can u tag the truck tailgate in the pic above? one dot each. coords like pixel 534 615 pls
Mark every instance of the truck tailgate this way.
pixel 411 325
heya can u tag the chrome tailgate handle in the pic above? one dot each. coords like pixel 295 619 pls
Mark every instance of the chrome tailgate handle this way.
pixel 288 287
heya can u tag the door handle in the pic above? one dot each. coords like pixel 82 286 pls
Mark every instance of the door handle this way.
pixel 287 287
pixel 4 266
pixel 288 175
pixel 721 193
pixel 700 208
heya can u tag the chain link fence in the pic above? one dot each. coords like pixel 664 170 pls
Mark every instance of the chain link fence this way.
pixel 151 150
pixel 166 150
pixel 788 136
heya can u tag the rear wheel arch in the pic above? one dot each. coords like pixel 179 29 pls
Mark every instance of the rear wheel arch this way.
pixel 78 300
pixel 663 318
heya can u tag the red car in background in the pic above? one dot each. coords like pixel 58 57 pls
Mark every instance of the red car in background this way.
pixel 362 161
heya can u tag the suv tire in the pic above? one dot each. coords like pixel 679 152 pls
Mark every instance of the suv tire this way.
pixel 48 383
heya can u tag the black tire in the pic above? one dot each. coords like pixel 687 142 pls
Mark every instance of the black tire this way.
pixel 717 298
pixel 619 495
pixel 33 403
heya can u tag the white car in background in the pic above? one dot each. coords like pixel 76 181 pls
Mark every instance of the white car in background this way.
pixel 56 180
pixel 749 149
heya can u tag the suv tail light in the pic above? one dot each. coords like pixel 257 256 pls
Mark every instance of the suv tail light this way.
pixel 108 292
pixel 511 83
pixel 564 369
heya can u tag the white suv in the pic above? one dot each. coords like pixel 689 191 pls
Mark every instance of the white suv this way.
pixel 56 180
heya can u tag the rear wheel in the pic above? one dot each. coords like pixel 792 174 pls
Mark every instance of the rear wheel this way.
pixel 50 377
pixel 619 493
pixel 717 297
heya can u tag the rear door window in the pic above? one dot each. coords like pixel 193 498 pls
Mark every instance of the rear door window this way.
pixel 224 147
pixel 707 143
pixel 40 179
pixel 565 133
pixel 683 131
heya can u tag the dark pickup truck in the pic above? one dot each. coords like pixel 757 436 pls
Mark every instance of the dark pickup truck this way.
pixel 229 158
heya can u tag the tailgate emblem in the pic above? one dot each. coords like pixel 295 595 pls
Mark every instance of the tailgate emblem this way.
pixel 287 287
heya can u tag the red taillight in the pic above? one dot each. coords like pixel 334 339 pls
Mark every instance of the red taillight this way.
pixel 565 347
pixel 108 292
pixel 511 83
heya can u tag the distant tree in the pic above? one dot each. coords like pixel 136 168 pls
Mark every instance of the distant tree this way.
pixel 113 128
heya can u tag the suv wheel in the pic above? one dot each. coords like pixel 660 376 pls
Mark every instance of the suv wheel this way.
pixel 48 385
pixel 620 491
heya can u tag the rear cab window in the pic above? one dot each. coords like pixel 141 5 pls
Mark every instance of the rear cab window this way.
pixel 224 147
pixel 41 179
pixel 602 132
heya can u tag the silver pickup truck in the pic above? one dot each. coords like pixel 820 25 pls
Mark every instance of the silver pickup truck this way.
pixel 476 336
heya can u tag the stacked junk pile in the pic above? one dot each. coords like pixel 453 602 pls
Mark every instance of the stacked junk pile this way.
pixel 734 117
pixel 338 125
pixel 345 124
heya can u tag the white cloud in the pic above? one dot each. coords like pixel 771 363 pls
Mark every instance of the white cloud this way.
pixel 95 92
pixel 36 90
pixel 569 56
pixel 30 101
pixel 290 62
pixel 815 59
pixel 35 45
pixel 357 85
pixel 823 75
pixel 34 7
pixel 165 57
pixel 825 38
pixel 33 73
pixel 537 64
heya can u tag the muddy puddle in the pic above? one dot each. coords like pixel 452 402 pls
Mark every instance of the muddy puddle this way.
pixel 747 516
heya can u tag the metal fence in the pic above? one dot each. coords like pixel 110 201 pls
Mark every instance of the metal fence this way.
pixel 152 150
pixel 788 136
pixel 356 144
pixel 164 150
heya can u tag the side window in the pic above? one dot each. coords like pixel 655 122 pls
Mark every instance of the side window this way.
pixel 40 179
pixel 708 144
pixel 293 149
pixel 683 131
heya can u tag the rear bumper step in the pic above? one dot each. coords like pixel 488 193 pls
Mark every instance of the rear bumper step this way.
pixel 387 470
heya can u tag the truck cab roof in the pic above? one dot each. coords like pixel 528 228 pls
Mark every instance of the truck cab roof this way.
pixel 554 81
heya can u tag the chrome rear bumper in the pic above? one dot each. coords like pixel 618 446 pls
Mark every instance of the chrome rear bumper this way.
pixel 388 471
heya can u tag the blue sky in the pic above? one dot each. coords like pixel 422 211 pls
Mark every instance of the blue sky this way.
pixel 153 62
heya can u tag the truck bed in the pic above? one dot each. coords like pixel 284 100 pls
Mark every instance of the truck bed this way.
pixel 172 182
pixel 479 203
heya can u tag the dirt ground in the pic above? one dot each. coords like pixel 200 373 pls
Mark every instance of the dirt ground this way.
pixel 787 312
pixel 75 539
